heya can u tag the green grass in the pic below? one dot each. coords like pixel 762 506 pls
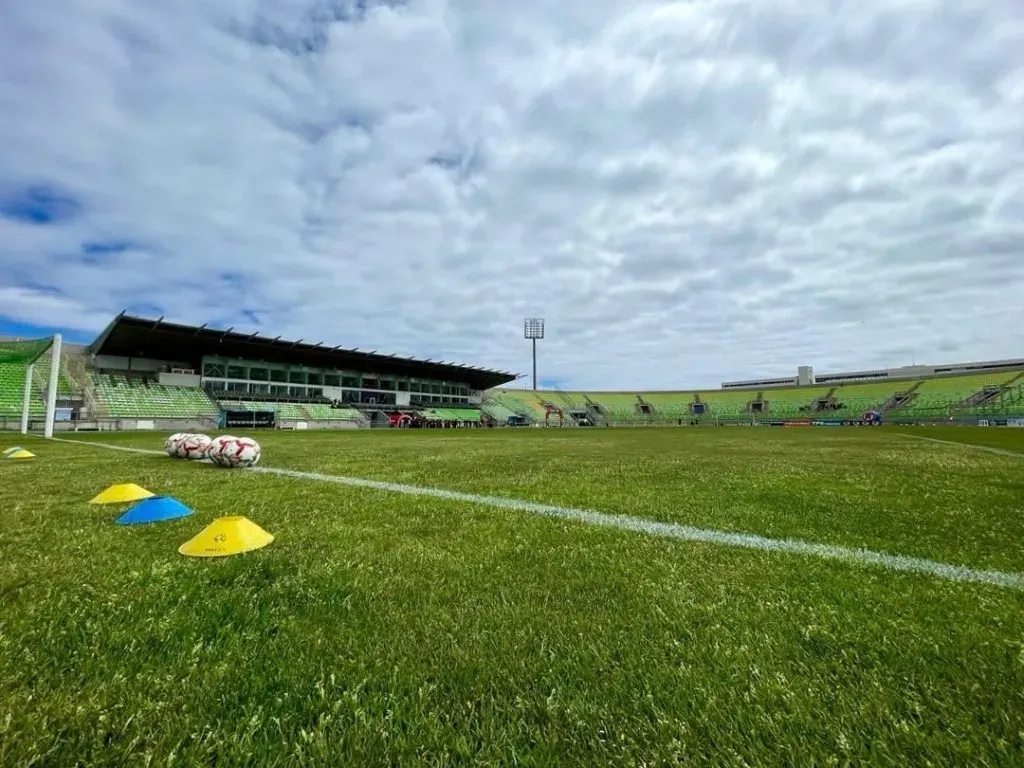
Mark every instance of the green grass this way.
pixel 388 629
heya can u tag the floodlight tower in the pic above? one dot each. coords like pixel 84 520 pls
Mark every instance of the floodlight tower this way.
pixel 533 329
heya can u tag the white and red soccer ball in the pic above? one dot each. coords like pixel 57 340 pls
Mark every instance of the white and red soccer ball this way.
pixel 171 444
pixel 186 445
pixel 230 451
pixel 217 446
pixel 194 447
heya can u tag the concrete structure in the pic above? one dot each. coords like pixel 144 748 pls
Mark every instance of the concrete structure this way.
pixel 806 377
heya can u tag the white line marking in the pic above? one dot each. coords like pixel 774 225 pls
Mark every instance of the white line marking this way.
pixel 985 448
pixel 901 563
pixel 110 447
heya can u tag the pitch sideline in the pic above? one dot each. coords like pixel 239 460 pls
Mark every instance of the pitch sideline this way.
pixel 900 563
pixel 973 446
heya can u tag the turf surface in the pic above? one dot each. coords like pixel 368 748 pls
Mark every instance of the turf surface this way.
pixel 388 629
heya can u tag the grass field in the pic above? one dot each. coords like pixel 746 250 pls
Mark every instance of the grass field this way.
pixel 386 628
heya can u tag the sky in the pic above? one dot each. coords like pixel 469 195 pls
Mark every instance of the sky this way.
pixel 687 192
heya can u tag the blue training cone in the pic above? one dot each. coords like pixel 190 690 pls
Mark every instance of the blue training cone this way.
pixel 153 510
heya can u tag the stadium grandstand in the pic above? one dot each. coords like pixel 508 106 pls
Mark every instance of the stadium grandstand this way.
pixel 144 373
pixel 969 393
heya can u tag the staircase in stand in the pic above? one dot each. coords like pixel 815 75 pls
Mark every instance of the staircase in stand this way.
pixel 564 419
pixel 594 412
pixel 757 406
pixel 573 410
pixel 825 403
pixel 981 397
pixel 697 408
pixel 77 372
pixel 996 401
pixel 645 410
pixel 565 398
pixel 990 394
pixel 514 406
pixel 901 399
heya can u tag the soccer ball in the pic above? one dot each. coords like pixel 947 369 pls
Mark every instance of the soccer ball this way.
pixel 172 443
pixel 249 452
pixel 217 447
pixel 229 451
pixel 194 447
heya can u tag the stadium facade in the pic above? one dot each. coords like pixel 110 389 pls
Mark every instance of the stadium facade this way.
pixel 143 373
pixel 236 364
pixel 149 373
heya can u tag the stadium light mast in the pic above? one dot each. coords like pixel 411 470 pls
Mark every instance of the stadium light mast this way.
pixel 533 329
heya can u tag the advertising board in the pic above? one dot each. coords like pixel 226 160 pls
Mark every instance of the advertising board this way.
pixel 252 419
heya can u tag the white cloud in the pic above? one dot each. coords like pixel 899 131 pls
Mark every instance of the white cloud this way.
pixel 39 308
pixel 687 191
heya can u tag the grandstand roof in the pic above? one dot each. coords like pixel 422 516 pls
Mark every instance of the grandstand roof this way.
pixel 128 336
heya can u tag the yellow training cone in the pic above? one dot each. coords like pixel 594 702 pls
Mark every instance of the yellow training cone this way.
pixel 119 494
pixel 226 536
pixel 21 454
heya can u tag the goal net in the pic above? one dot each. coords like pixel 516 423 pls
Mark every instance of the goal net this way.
pixel 30 377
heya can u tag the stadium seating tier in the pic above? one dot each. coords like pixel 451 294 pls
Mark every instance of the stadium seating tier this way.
pixel 927 398
pixel 12 389
pixel 296 411
pixel 14 359
pixel 452 414
pixel 124 397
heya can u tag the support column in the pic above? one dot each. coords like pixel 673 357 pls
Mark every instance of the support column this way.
pixel 534 365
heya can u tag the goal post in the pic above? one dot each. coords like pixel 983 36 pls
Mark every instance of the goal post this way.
pixel 51 390
pixel 30 368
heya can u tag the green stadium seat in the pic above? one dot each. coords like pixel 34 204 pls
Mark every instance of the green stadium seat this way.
pixel 616 407
pixel 451 414
pixel 520 402
pixel 930 398
pixel 856 399
pixel 296 411
pixel 500 413
pixel 12 388
pixel 14 359
pixel 125 397
pixel 325 412
pixel 950 396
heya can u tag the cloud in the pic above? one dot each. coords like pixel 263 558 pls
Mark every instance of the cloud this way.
pixel 39 306
pixel 687 191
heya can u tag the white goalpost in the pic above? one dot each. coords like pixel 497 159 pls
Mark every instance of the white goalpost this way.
pixel 49 391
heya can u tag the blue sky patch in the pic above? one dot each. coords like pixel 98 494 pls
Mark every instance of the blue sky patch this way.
pixel 10 328
pixel 39 204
